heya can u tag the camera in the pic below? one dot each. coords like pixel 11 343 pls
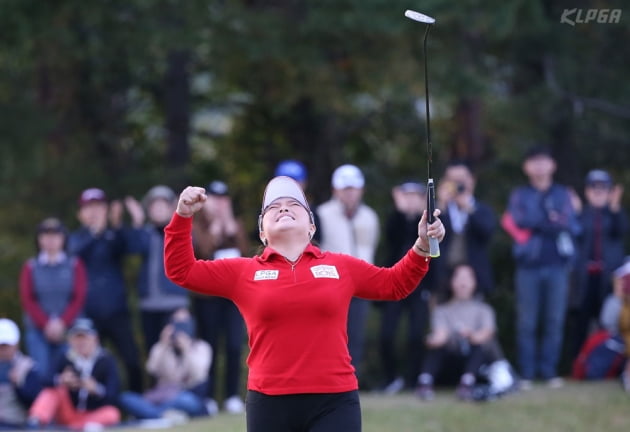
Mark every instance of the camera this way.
pixel 460 188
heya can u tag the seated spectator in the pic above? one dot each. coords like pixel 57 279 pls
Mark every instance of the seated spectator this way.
pixel 624 330
pixel 84 389
pixel 179 362
pixel 53 287
pixel 20 382
pixel 602 354
pixel 462 338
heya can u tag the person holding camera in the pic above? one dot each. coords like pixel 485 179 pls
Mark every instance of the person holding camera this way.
pixel 179 362
pixel 470 223
pixel 83 391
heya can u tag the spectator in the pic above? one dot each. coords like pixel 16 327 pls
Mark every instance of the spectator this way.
pixel 349 226
pixel 103 249
pixel 410 201
pixel 624 330
pixel 298 172
pixel 542 220
pixel 85 387
pixel 179 362
pixel 53 287
pixel 20 382
pixel 470 223
pixel 600 251
pixel 158 296
pixel 603 352
pixel 218 234
pixel 462 337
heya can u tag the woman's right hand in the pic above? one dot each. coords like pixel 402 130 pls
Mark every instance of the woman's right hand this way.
pixel 191 200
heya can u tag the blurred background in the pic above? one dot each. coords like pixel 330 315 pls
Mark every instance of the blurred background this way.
pixel 126 94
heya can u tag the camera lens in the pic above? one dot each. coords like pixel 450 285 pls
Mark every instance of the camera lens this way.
pixel 461 188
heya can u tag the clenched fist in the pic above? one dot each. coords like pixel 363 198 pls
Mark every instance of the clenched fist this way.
pixel 191 200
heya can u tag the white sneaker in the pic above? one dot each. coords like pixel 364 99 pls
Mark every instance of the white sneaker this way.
pixel 93 427
pixel 234 405
pixel 555 383
pixel 395 386
pixel 212 407
pixel 175 416
pixel 525 384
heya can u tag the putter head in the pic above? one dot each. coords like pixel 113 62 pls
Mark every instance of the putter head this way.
pixel 417 16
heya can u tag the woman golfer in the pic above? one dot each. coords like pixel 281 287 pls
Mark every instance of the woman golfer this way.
pixel 294 299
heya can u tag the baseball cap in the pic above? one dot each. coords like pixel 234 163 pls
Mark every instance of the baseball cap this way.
pixel 92 195
pixel 9 332
pixel 598 176
pixel 51 225
pixel 82 325
pixel 292 168
pixel 347 176
pixel 283 187
pixel 158 192
pixel 413 187
pixel 218 188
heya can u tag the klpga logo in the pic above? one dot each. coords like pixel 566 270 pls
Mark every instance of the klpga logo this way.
pixel 585 16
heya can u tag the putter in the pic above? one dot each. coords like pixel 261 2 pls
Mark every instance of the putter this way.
pixel 434 245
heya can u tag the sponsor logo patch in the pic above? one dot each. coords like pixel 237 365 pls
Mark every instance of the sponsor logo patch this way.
pixel 266 274
pixel 325 271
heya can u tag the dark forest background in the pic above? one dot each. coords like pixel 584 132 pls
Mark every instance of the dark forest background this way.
pixel 126 94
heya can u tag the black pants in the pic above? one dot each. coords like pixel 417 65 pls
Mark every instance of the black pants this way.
pixel 326 412
pixel 587 312
pixel 153 322
pixel 220 324
pixel 417 308
pixel 446 364
pixel 117 329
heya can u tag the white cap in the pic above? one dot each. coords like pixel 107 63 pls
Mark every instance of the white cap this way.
pixel 283 187
pixel 347 176
pixel 9 332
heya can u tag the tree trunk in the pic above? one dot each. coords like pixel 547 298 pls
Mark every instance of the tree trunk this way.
pixel 177 113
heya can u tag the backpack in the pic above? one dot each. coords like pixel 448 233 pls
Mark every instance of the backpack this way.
pixel 601 356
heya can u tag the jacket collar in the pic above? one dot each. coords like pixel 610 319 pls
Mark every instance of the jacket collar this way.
pixel 270 254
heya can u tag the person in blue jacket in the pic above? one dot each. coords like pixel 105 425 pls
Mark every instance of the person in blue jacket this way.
pixel 545 219
pixel 159 298
pixel 102 242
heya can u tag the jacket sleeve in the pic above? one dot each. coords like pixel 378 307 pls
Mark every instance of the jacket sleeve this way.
pixel 28 298
pixel 482 224
pixel 111 381
pixel 182 268
pixel 387 283
pixel 30 387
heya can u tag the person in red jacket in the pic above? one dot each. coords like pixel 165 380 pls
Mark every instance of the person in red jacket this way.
pixel 294 299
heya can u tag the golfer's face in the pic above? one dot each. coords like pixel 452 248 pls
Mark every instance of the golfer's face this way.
pixel 285 214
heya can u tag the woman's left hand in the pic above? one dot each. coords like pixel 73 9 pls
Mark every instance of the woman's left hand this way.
pixel 434 230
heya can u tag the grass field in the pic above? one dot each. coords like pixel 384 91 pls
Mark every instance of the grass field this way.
pixel 578 407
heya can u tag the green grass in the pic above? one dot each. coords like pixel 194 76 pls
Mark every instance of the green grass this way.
pixel 578 407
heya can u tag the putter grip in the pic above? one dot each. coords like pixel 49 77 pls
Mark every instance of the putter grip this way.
pixel 434 245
